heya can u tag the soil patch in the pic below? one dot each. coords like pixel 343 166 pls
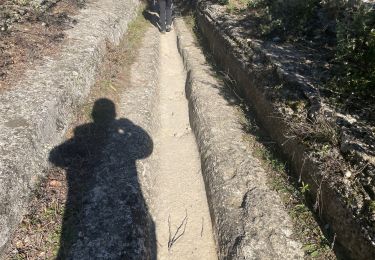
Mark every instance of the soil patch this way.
pixel 29 33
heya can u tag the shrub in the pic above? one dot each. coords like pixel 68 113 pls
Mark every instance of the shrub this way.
pixel 348 24
pixel 284 17
pixel 356 50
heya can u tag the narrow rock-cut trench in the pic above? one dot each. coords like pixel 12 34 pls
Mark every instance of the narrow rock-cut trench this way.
pixel 169 175
pixel 179 204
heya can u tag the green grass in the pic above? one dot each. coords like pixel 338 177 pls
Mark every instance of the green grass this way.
pixel 234 6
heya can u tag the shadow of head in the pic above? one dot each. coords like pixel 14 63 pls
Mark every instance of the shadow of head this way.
pixel 119 138
pixel 128 138
pixel 103 111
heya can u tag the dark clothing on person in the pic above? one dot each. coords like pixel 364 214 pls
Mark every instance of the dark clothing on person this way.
pixel 165 14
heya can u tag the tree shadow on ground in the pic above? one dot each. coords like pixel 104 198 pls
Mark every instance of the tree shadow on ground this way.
pixel 106 216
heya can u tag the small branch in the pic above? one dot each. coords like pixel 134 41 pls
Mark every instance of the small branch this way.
pixel 202 227
pixel 333 242
pixel 178 234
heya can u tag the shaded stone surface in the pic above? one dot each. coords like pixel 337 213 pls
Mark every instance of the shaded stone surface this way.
pixel 249 219
pixel 35 113
pixel 114 219
pixel 286 100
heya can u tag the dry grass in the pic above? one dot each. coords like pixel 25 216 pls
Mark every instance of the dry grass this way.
pixel 234 6
pixel 31 36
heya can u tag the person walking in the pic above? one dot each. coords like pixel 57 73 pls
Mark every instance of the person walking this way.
pixel 165 15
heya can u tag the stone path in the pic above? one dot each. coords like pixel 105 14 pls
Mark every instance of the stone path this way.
pixel 178 191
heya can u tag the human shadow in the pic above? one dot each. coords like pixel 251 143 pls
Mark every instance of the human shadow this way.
pixel 106 216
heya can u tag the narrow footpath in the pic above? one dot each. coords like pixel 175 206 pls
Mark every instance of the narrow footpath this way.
pixel 179 197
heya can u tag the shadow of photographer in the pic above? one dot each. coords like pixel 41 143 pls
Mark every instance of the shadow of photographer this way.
pixel 106 215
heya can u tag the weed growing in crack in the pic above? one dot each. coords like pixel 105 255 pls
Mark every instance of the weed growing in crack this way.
pixel 304 188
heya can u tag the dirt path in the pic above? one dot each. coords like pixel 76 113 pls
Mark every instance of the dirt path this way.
pixel 179 196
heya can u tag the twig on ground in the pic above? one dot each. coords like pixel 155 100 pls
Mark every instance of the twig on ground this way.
pixel 177 235
pixel 231 84
pixel 288 138
pixel 333 242
pixel 318 206
pixel 300 172
pixel 202 227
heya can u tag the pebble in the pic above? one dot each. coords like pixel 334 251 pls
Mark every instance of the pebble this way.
pixel 55 183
